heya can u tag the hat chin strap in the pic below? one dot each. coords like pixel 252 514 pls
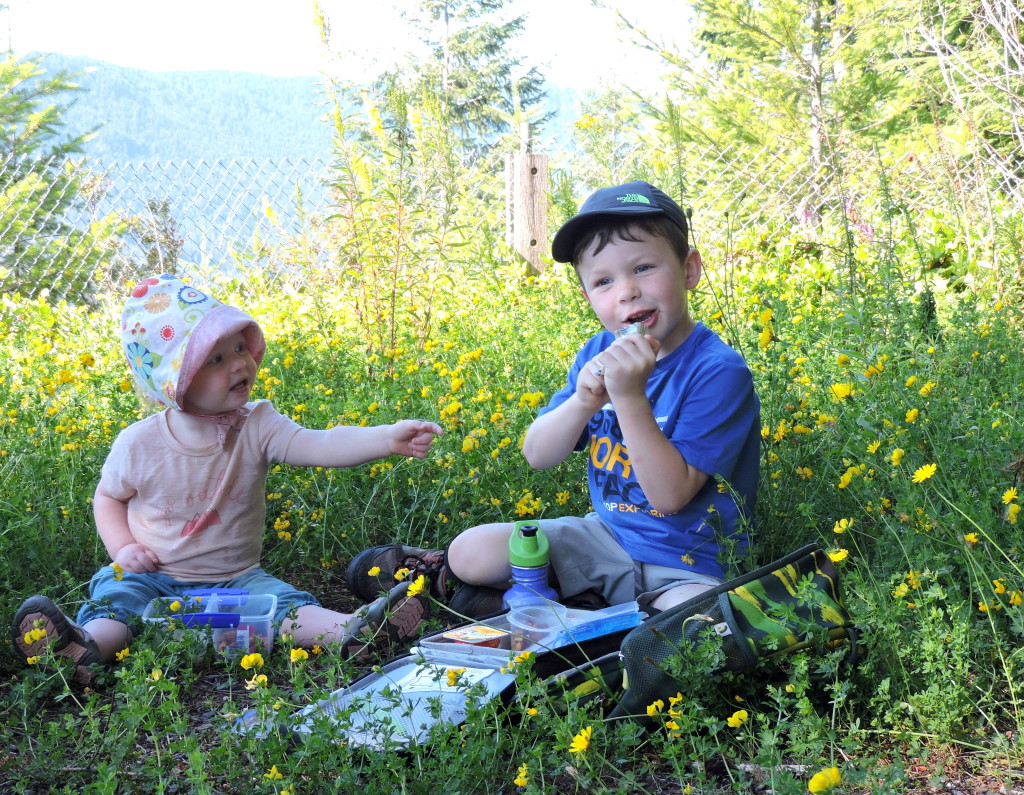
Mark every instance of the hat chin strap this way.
pixel 233 419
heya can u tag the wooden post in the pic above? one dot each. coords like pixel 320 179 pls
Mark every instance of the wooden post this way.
pixel 526 213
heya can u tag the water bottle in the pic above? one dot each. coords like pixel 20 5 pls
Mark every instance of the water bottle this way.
pixel 528 555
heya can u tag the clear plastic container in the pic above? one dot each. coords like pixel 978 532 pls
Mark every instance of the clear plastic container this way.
pixel 239 622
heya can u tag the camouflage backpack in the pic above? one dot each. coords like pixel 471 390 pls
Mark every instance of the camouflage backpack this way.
pixel 784 607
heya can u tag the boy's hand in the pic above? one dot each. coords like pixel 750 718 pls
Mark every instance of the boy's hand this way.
pixel 412 438
pixel 136 558
pixel 624 366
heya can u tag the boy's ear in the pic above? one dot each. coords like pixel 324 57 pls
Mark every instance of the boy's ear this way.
pixel 693 267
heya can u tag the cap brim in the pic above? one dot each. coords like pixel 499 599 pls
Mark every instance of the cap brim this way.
pixel 564 242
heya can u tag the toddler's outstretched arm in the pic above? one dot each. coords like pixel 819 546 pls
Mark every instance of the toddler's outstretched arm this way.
pixel 349 445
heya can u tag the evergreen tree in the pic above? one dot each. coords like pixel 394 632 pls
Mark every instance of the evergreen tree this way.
pixel 481 84
pixel 795 75
pixel 40 250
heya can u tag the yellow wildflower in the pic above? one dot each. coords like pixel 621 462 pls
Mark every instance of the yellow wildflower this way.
pixel 273 774
pixel 841 391
pixel 1009 495
pixel 825 780
pixel 837 555
pixel 418 586
pixel 522 779
pixel 581 741
pixel 923 473
pixel 252 661
pixel 118 571
pixel 121 655
pixel 297 655
pixel 738 718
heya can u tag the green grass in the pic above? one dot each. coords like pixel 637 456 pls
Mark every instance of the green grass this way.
pixel 850 370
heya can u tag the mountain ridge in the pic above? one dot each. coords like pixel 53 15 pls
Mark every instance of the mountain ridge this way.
pixel 144 115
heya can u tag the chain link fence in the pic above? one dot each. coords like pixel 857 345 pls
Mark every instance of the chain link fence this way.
pixel 71 229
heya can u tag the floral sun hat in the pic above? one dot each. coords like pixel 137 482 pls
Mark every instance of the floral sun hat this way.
pixel 168 329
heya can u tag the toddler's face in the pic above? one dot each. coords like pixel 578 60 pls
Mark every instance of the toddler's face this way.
pixel 641 282
pixel 224 381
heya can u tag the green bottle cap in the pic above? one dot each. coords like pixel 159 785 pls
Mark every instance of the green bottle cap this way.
pixel 527 546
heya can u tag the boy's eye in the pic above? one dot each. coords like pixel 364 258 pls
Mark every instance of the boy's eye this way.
pixel 240 347
pixel 602 282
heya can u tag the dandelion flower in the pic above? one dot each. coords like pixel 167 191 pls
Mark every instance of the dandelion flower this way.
pixel 1009 495
pixel 581 742
pixel 923 473
pixel 738 718
pixel 418 586
pixel 118 571
pixel 841 391
pixel 825 781
pixel 971 538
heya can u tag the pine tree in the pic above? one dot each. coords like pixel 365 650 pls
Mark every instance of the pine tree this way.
pixel 482 85
pixel 40 250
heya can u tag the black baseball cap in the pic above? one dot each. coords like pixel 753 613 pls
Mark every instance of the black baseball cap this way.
pixel 633 198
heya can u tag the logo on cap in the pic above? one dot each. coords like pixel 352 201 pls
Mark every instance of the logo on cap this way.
pixel 633 198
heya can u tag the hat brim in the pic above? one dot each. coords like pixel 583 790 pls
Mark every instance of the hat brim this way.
pixel 563 244
pixel 221 321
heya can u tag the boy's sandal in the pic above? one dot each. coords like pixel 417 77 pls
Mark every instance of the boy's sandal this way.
pixel 391 619
pixel 58 633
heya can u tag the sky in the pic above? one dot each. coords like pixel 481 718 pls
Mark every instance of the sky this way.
pixel 576 44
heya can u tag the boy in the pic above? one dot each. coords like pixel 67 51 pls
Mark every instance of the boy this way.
pixel 181 498
pixel 663 416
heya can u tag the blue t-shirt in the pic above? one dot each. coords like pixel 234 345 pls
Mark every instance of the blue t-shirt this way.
pixel 703 399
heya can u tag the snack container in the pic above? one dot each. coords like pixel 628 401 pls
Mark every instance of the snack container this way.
pixel 238 622
pixel 536 624
pixel 477 635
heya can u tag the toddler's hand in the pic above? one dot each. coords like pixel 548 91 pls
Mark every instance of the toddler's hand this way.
pixel 136 558
pixel 412 438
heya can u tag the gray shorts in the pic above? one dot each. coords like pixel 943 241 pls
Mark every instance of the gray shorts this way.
pixel 585 556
